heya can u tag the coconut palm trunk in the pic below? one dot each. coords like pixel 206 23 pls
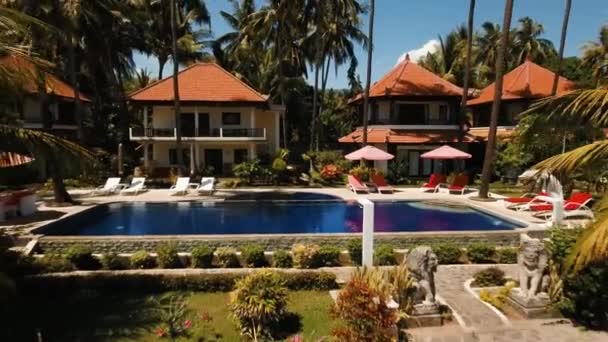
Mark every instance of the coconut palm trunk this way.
pixel 313 121
pixel 74 81
pixel 488 163
pixel 562 44
pixel 467 70
pixel 372 5
pixel 176 103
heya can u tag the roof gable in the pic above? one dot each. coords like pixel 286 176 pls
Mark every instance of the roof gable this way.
pixel 201 82
pixel 411 79
pixel 26 74
pixel 527 81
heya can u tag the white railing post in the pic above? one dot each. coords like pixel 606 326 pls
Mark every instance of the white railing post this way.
pixel 175 132
pixel 368 232
pixel 221 132
pixel 130 133
pixel 264 133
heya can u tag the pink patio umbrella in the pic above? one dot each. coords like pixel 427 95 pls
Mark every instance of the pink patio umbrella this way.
pixel 369 153
pixel 445 152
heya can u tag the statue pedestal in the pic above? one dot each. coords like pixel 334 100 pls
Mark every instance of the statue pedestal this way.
pixel 531 307
pixel 425 315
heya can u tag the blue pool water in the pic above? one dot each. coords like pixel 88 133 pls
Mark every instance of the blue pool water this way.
pixel 270 217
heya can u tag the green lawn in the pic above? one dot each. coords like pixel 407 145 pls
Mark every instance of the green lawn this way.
pixel 90 317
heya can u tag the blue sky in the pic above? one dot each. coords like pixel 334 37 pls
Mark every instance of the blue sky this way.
pixel 403 26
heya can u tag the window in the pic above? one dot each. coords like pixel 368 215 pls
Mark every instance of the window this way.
pixel 443 113
pixel 411 113
pixel 232 119
pixel 240 155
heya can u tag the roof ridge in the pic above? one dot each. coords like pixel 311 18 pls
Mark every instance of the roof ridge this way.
pixel 239 80
pixel 160 81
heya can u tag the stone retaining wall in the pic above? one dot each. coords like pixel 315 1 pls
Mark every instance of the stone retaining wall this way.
pixel 185 243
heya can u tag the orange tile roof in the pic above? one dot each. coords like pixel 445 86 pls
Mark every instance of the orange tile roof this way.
pixel 527 81
pixel 11 159
pixel 402 136
pixel 481 133
pixel 26 71
pixel 201 82
pixel 410 79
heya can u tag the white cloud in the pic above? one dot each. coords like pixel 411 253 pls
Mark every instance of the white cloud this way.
pixel 415 55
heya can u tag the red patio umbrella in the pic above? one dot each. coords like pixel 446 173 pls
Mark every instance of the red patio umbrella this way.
pixel 446 152
pixel 369 153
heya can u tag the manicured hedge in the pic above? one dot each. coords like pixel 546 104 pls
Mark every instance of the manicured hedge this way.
pixel 139 282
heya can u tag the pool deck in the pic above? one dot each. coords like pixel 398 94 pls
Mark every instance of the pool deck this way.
pixel 48 214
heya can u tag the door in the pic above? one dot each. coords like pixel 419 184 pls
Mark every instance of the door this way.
pixel 186 122
pixel 204 129
pixel 213 158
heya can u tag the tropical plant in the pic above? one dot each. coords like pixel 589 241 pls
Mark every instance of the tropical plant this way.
pixel 488 161
pixel 527 43
pixel 468 56
pixel 305 255
pixel 590 106
pixel 227 258
pixel 257 302
pixel 282 259
pixel 595 55
pixel 362 308
pixel 447 60
pixel 202 257
pixel 166 256
pixel 491 276
pixel 253 256
pixel 176 318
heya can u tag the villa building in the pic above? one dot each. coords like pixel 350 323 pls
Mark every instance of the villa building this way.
pixel 60 98
pixel 521 86
pixel 223 121
pixel 412 111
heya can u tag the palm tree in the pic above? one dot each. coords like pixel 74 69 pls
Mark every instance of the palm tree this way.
pixel 467 68
pixel 278 28
pixel 159 31
pixel 487 43
pixel 370 48
pixel 447 61
pixel 528 44
pixel 488 162
pixel 176 104
pixel 595 55
pixel 562 44
pixel 334 29
pixel 227 47
pixel 591 106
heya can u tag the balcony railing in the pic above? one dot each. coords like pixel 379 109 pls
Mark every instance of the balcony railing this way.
pixel 220 133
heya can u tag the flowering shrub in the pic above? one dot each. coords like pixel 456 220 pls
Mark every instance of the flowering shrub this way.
pixel 178 320
pixel 361 171
pixel 305 255
pixel 364 313
pixel 331 172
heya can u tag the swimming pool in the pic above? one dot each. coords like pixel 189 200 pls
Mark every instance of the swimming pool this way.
pixel 271 217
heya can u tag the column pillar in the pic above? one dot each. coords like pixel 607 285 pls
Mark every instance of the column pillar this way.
pixel 277 130
pixel 252 118
pixel 368 232
pixel 196 121
pixel 146 157
pixel 252 154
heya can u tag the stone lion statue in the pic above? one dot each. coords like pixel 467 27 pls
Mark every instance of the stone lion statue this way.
pixel 532 260
pixel 422 264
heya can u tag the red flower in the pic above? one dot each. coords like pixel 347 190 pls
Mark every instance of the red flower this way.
pixel 187 324
pixel 161 332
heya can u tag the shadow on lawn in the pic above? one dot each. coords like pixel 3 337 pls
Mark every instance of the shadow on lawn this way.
pixel 86 316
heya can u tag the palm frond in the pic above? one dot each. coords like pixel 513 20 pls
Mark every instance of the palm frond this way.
pixel 593 243
pixel 587 104
pixel 577 158
pixel 41 144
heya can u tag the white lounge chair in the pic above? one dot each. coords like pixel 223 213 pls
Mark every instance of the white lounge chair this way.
pixel 181 186
pixel 137 186
pixel 207 186
pixel 112 185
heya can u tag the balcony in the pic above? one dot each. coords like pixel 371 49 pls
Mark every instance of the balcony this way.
pixel 214 134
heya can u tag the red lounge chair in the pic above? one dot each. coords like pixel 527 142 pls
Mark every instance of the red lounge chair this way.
pixel 380 183
pixel 577 200
pixel 525 198
pixel 356 185
pixel 459 184
pixel 435 180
